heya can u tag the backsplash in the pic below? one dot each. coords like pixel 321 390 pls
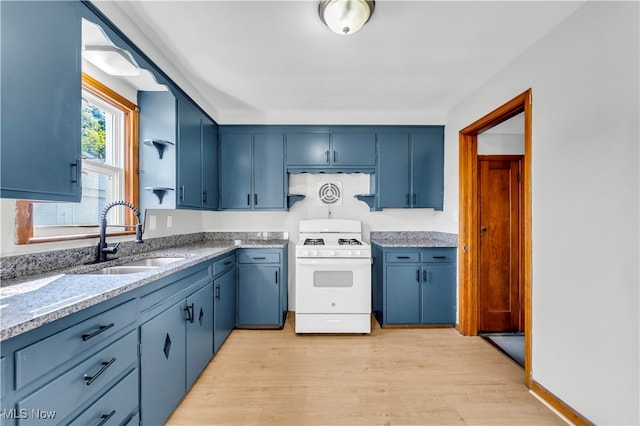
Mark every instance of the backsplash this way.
pixel 29 264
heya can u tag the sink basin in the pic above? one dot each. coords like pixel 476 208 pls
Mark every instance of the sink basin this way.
pixel 153 261
pixel 119 270
pixel 135 266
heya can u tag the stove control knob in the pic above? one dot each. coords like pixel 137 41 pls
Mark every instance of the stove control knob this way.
pixel 304 253
pixel 356 253
pixel 332 253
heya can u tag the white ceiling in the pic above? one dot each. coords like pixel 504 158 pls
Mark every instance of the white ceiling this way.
pixel 275 59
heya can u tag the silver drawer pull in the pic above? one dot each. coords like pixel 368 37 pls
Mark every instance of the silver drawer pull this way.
pixel 105 418
pixel 105 365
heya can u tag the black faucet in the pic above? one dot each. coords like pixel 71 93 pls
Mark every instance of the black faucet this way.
pixel 103 248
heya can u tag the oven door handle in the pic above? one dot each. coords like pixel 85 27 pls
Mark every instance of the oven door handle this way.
pixel 330 261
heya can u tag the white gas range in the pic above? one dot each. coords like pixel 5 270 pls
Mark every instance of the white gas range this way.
pixel 333 278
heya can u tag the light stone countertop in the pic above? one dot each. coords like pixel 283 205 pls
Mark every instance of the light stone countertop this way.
pixel 29 302
pixel 413 239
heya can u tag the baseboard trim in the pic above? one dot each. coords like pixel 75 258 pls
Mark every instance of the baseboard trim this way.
pixel 572 415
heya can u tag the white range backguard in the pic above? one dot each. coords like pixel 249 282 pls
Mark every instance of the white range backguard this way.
pixel 333 279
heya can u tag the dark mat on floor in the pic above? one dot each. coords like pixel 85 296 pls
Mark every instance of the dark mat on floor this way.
pixel 510 344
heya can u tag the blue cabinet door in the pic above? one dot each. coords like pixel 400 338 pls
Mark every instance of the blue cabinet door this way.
pixel 225 307
pixel 189 155
pixel 259 295
pixel 162 364
pixel 427 170
pixel 308 149
pixel 268 167
pixel 235 170
pixel 353 149
pixel 199 326
pixel 210 185
pixel 41 100
pixel 402 298
pixel 438 297
pixel 393 175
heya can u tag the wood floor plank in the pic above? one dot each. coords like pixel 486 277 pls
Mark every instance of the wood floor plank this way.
pixel 391 377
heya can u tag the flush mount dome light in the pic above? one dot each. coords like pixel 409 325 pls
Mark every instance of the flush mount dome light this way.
pixel 111 60
pixel 345 16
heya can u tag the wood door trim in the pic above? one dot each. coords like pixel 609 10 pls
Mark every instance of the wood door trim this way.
pixel 468 222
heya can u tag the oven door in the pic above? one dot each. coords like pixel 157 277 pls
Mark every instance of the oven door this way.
pixel 330 285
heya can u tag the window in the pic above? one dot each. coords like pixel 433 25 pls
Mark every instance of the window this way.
pixel 109 173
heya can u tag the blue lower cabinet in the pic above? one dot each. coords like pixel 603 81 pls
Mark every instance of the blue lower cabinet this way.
pixel 258 295
pixel 402 295
pixel 199 326
pixel 84 381
pixel 438 299
pixel 262 288
pixel 175 346
pixel 414 286
pixel 224 299
pixel 162 364
pixel 119 406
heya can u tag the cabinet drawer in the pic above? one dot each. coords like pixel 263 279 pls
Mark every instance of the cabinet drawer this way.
pixel 118 406
pixel 402 257
pixel 41 357
pixel 258 257
pixel 223 264
pixel 439 255
pixel 85 380
pixel 161 295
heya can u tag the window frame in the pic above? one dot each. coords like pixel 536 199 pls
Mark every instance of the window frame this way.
pixel 24 208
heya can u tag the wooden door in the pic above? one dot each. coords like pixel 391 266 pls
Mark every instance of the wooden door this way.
pixel 499 288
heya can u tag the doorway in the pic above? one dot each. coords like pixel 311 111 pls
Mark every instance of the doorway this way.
pixel 499 289
pixel 509 308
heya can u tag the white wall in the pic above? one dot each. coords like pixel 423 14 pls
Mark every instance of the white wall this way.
pixel 585 194
pixel 386 220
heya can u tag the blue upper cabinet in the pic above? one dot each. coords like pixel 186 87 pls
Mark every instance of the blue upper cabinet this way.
pixel 427 170
pixel 197 148
pixel 40 100
pixel 308 149
pixel 411 168
pixel 393 171
pixel 353 149
pixel 210 178
pixel 235 171
pixel 252 173
pixel 189 155
pixel 189 147
pixel 339 149
pixel 268 171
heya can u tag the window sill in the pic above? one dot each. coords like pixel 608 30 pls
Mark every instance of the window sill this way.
pixel 37 240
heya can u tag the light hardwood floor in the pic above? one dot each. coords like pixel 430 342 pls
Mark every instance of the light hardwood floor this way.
pixel 392 377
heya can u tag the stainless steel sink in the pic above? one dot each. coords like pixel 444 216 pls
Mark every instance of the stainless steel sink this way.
pixel 153 261
pixel 136 266
pixel 119 270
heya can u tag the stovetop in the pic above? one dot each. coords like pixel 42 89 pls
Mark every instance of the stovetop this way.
pixel 331 238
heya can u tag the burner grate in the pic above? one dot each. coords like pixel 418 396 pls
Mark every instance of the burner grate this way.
pixel 314 242
pixel 349 242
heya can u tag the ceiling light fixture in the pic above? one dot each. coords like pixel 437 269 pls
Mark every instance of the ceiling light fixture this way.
pixel 110 59
pixel 345 16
